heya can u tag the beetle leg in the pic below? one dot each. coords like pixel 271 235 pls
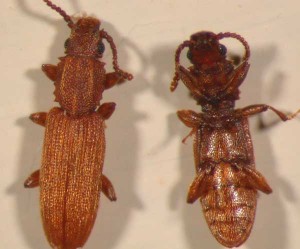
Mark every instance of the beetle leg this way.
pixel 107 109
pixel 108 189
pixel 190 118
pixel 191 82
pixel 256 180
pixel 240 74
pixel 197 188
pixel 113 79
pixel 39 118
pixel 50 71
pixel 33 180
pixel 188 135
pixel 255 109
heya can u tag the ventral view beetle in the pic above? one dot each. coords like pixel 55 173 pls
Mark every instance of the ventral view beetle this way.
pixel 70 177
pixel 226 180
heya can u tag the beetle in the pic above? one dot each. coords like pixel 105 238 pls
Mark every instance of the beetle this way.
pixel 70 177
pixel 226 180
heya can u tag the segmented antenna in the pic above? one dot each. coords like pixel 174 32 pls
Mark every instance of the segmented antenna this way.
pixel 175 80
pixel 238 37
pixel 61 12
pixel 116 67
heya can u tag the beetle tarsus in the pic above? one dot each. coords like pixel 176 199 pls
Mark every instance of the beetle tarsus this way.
pixel 259 108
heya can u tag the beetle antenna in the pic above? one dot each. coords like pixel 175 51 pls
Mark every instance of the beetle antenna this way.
pixel 116 67
pixel 175 80
pixel 238 37
pixel 61 12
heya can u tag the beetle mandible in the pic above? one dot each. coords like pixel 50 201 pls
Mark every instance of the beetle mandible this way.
pixel 227 181
pixel 70 178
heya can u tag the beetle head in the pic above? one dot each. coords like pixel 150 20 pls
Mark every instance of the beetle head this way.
pixel 205 52
pixel 85 39
pixel 205 49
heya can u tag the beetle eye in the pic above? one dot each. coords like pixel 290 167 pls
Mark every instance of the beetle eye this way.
pixel 67 43
pixel 189 55
pixel 101 47
pixel 222 49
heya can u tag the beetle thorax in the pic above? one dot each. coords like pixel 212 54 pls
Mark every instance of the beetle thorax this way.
pixel 80 84
pixel 219 106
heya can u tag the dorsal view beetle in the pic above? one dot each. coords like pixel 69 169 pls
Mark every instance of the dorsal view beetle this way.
pixel 70 178
pixel 226 180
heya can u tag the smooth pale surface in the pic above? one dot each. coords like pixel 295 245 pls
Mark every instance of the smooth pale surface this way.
pixel 149 167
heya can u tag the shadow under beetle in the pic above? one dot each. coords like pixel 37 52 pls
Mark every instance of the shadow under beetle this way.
pixel 70 178
pixel 227 181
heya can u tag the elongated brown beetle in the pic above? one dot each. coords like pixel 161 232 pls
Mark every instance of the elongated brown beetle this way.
pixel 227 181
pixel 70 177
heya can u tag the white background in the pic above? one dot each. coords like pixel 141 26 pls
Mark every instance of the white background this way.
pixel 149 167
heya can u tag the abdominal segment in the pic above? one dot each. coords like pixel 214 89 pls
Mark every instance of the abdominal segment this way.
pixel 229 204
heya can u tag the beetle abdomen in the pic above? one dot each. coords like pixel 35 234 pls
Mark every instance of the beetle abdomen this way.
pixel 229 205
pixel 70 177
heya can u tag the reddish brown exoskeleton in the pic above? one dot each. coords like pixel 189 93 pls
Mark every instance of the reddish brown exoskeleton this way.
pixel 227 181
pixel 70 177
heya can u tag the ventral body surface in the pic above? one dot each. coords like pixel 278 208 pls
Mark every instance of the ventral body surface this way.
pixel 71 178
pixel 227 182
